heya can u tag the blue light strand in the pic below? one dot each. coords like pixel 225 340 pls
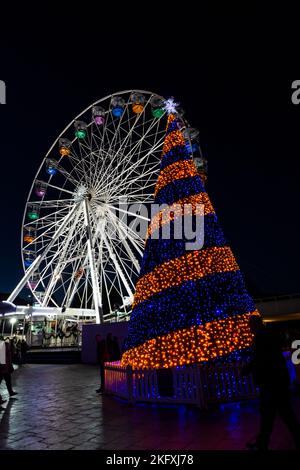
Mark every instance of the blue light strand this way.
pixel 214 297
pixel 174 155
pixel 160 251
pixel 179 189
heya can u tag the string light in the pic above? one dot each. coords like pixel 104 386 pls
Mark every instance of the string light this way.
pixel 192 345
pixel 189 306
pixel 191 266
pixel 179 189
pixel 194 302
pixel 176 171
pixel 190 206
pixel 172 140
pixel 160 250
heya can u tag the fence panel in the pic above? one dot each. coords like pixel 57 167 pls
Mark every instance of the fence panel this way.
pixel 200 385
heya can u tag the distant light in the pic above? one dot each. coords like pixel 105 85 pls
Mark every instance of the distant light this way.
pixel 13 321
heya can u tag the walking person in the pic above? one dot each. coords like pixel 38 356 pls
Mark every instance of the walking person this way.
pixel 6 367
pixel 102 357
pixel 271 375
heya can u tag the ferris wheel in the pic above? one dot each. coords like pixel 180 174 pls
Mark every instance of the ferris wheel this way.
pixel 80 248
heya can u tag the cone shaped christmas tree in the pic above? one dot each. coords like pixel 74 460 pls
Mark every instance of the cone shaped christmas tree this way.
pixel 190 306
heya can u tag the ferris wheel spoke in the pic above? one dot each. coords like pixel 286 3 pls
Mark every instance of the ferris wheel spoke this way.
pixel 126 245
pixel 62 255
pixel 79 175
pixel 136 149
pixel 127 263
pixel 130 154
pixel 141 147
pixel 67 174
pixel 104 129
pixel 94 273
pixel 85 262
pixel 143 178
pixel 133 236
pixel 142 159
pixel 130 283
pixel 139 216
pixel 108 289
pixel 129 134
pixel 117 128
pixel 126 173
pixel 76 280
pixel 83 165
pixel 54 203
pixel 132 197
pixel 45 234
pixel 51 215
pixel 139 117
pixel 49 185
pixel 136 240
pixel 113 256
pixel 50 264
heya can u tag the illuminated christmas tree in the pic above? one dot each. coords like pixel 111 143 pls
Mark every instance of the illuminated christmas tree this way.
pixel 189 306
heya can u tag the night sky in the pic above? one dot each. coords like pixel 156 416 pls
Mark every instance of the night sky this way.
pixel 225 70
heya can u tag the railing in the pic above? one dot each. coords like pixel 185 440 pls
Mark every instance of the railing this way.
pixel 226 383
pixel 197 385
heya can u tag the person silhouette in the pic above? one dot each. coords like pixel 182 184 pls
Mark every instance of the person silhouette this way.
pixel 6 367
pixel 116 356
pixel 271 376
pixel 102 357
pixel 110 346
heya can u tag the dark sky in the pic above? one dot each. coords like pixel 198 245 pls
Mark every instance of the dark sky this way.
pixel 226 71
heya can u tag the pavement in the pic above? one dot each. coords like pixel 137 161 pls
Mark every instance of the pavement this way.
pixel 57 409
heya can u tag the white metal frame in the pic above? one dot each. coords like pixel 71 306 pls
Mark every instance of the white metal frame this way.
pixel 77 261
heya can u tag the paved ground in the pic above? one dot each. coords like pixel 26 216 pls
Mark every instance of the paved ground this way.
pixel 57 408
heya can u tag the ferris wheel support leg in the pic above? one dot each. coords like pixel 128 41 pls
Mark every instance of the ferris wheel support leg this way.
pixel 40 258
pixel 94 275
pixel 24 279
pixel 114 259
pixel 127 247
pixel 117 266
pixel 56 273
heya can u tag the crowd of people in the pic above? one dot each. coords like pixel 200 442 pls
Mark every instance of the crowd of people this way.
pixel 19 347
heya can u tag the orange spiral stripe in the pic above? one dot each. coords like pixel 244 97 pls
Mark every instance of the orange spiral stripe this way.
pixel 191 345
pixel 175 171
pixel 172 140
pixel 191 266
pixel 189 204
